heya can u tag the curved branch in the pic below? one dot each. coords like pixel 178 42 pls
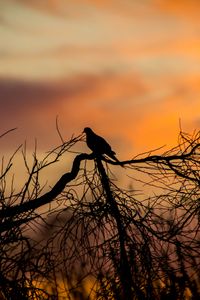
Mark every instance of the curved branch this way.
pixel 12 211
pixel 49 196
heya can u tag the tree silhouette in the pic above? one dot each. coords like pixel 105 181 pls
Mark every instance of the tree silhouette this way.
pixel 88 238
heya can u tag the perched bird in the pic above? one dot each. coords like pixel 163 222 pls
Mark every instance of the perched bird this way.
pixel 98 145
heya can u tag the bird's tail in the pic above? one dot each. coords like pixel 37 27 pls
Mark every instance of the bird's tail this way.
pixel 113 156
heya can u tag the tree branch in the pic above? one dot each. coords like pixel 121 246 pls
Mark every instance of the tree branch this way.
pixel 49 196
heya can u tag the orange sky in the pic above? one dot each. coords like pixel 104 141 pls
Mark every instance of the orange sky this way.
pixel 129 69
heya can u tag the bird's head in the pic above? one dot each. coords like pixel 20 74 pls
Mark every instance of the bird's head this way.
pixel 87 130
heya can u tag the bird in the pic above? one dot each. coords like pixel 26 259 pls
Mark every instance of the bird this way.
pixel 98 145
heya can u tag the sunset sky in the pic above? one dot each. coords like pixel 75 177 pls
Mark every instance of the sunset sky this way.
pixel 129 69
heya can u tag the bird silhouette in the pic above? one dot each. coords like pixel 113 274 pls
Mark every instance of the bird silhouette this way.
pixel 98 145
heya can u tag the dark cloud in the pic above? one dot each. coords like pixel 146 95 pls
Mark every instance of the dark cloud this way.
pixel 16 95
pixel 33 106
pixel 20 97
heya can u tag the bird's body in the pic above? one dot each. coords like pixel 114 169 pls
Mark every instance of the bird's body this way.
pixel 98 145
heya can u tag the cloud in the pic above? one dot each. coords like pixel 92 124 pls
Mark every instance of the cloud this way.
pixel 20 96
pixel 98 101
pixel 33 106
pixel 119 69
